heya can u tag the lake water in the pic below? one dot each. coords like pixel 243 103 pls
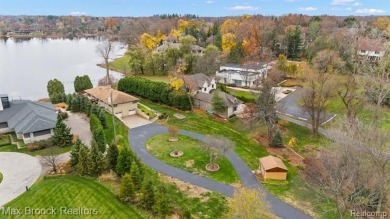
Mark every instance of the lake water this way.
pixel 27 65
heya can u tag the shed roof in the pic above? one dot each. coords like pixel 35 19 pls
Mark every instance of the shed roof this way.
pixel 271 162
pixel 228 100
pixel 103 94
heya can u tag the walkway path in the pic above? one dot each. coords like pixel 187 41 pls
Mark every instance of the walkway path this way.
pixel 139 136
pixel 19 170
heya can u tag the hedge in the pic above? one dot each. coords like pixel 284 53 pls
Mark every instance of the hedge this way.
pixel 155 91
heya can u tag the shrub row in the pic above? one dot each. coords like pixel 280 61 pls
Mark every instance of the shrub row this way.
pixel 155 91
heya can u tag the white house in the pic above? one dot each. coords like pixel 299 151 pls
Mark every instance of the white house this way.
pixel 371 49
pixel 202 88
pixel 242 75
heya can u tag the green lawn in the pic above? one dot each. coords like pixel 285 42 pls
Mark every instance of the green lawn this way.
pixel 72 192
pixel 1 177
pixel 202 123
pixel 244 94
pixel 5 140
pixel 13 148
pixel 160 147
pixel 120 129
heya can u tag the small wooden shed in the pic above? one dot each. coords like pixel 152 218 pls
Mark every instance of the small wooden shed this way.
pixel 272 168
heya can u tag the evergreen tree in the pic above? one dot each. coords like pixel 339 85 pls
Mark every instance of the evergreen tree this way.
pixel 62 135
pixel 126 189
pixel 95 160
pixel 82 166
pixel 94 123
pixel 237 53
pixel 277 140
pixel 125 159
pixel 217 103
pixel 147 197
pixel 112 156
pixel 55 87
pixel 102 118
pixel 294 42
pixel 74 154
pixel 136 175
pixel 100 139
pixel 82 83
pixel 161 207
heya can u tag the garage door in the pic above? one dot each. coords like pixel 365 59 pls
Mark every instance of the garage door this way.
pixel 132 112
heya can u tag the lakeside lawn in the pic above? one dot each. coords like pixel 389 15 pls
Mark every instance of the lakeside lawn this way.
pixel 73 192
pixel 194 159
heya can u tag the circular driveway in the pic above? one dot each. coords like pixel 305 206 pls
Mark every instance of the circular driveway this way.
pixel 19 170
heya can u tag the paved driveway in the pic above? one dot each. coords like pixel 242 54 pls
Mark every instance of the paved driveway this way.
pixel 79 124
pixel 134 121
pixel 289 106
pixel 139 136
pixel 19 170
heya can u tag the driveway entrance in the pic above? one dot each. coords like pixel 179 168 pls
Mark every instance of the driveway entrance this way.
pixel 134 121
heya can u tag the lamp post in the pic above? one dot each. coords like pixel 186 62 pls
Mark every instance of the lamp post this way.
pixel 112 113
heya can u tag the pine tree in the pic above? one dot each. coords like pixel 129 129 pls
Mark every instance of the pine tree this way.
pixel 126 189
pixel 82 166
pixel 217 103
pixel 136 176
pixel 125 159
pixel 102 118
pixel 161 207
pixel 100 139
pixel 277 140
pixel 74 154
pixel 95 160
pixel 147 197
pixel 112 156
pixel 62 135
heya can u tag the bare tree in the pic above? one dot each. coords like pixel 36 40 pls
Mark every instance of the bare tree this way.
pixel 217 146
pixel 106 51
pixel 265 108
pixel 51 160
pixel 318 90
pixel 350 96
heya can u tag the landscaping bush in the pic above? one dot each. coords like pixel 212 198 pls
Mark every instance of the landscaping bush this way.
pixel 63 115
pixel 163 116
pixel 154 91
pixel 277 140
pixel 42 144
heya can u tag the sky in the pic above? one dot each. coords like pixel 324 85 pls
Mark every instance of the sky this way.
pixel 136 8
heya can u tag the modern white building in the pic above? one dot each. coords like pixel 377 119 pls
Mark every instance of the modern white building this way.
pixel 242 75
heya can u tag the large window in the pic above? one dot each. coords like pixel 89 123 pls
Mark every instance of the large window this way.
pixel 44 132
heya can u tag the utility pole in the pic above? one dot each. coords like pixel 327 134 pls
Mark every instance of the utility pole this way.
pixel 112 114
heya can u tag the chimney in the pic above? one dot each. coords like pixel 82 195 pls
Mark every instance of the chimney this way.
pixel 4 102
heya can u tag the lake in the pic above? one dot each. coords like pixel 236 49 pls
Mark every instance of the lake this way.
pixel 27 65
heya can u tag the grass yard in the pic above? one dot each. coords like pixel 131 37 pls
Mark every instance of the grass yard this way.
pixel 73 192
pixel 194 158
pixel 121 130
pixel 203 123
pixel 14 148
pixel 1 177
pixel 244 94
pixel 5 140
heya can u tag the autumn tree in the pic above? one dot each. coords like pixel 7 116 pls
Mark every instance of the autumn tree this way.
pixel 51 159
pixel 217 146
pixel 349 93
pixel 137 59
pixel 209 62
pixel 249 204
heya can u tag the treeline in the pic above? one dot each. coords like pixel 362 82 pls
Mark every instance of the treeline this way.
pixel 155 91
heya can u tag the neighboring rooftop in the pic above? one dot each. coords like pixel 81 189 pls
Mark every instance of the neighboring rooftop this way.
pixel 195 81
pixel 26 116
pixel 271 162
pixel 251 65
pixel 228 100
pixel 368 44
pixel 103 93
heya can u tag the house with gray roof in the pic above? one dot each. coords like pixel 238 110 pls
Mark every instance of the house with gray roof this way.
pixel 31 121
pixel 203 87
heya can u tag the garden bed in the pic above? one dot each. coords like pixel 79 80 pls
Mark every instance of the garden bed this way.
pixel 5 140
